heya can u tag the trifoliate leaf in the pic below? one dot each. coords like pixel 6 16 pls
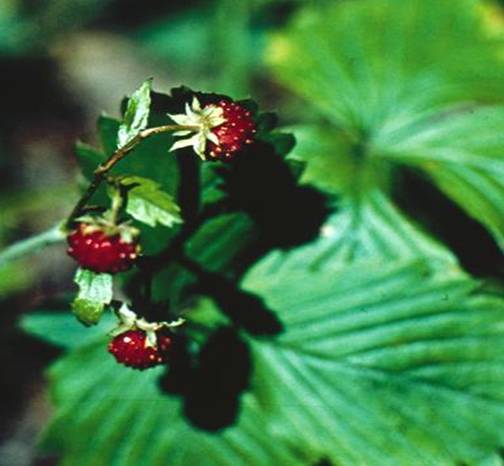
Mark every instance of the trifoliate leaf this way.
pixel 149 204
pixel 95 291
pixel 137 114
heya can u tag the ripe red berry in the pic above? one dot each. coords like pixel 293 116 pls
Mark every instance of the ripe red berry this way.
pixel 238 130
pixel 100 252
pixel 131 349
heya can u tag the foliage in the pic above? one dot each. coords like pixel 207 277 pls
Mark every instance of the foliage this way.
pixel 323 323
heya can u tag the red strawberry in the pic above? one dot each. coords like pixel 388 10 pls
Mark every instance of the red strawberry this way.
pixel 238 130
pixel 98 250
pixel 131 349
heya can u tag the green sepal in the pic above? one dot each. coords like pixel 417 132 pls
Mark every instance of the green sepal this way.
pixel 87 312
pixel 95 292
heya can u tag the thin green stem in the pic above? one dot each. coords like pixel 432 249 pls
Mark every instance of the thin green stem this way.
pixel 101 172
pixel 30 245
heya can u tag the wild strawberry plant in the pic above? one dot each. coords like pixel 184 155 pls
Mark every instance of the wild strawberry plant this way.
pixel 293 305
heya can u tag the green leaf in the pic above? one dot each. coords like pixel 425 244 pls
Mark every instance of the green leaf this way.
pixel 383 364
pixel 462 151
pixel 149 159
pixel 15 277
pixel 108 128
pixel 89 158
pixel 95 291
pixel 366 224
pixel 216 246
pixel 137 114
pixel 149 204
pixel 62 330
pixel 132 423
pixel 367 62
pixel 379 364
pixel 393 97
pixel 364 228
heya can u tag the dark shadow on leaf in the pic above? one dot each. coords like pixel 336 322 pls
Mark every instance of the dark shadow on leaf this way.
pixel 178 376
pixel 243 309
pixel 474 247
pixel 211 387
pixel 262 184
pixel 189 191
pixel 212 401
pixel 324 462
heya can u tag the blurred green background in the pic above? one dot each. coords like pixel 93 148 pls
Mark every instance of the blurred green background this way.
pixel 63 62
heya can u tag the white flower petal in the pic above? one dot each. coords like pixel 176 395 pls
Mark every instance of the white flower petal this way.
pixel 121 328
pixel 217 121
pixel 184 132
pixel 213 138
pixel 181 119
pixel 151 339
pixel 210 110
pixel 188 109
pixel 174 323
pixel 200 145
pixel 196 106
pixel 182 143
pixel 126 314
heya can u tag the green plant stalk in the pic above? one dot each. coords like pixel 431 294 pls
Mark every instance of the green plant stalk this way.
pixel 58 233
pixel 17 250
pixel 101 172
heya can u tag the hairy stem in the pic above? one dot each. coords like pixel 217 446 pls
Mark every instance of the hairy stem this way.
pixel 33 244
pixel 101 172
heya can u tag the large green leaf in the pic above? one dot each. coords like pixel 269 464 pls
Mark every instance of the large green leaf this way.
pixel 384 364
pixel 392 96
pixel 379 364
pixel 463 152
pixel 60 329
pixel 365 227
pixel 130 422
pixel 366 223
pixel 362 63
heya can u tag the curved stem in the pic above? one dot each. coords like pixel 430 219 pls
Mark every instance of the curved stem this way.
pixel 33 244
pixel 101 172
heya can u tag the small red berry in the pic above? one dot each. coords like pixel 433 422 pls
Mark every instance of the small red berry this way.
pixel 131 349
pixel 238 130
pixel 100 252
